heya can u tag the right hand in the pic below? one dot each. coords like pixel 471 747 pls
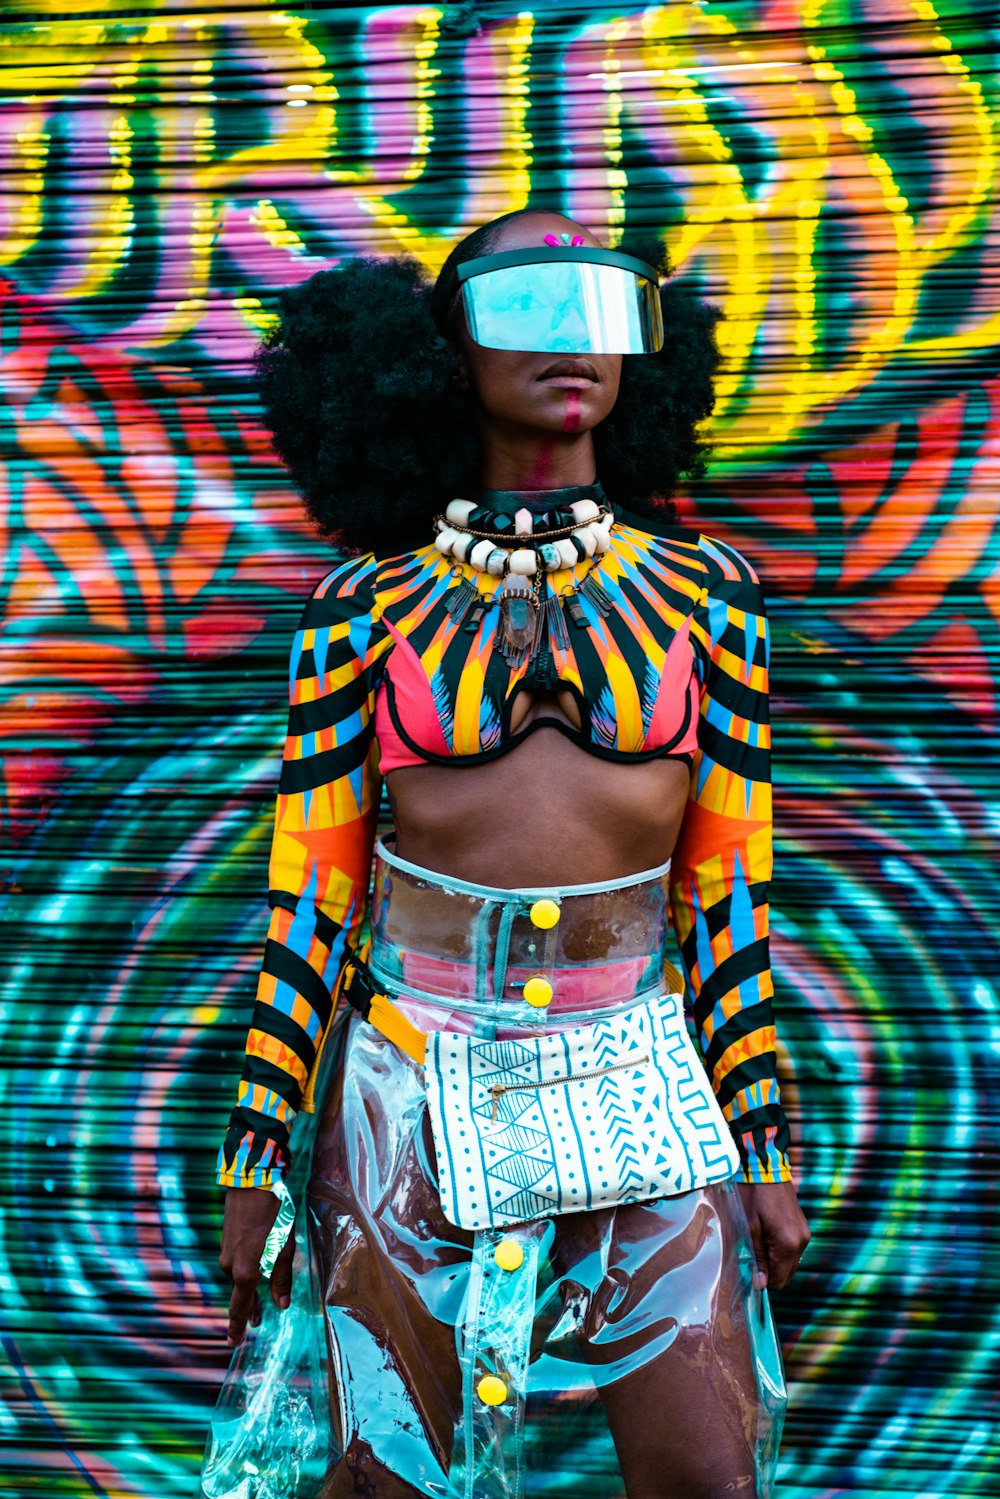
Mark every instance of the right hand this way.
pixel 249 1216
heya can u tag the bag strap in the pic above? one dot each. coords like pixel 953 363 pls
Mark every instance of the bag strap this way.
pixel 361 992
pixel 674 978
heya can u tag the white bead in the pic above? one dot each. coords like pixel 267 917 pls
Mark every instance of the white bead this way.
pixel 602 535
pixel 582 510
pixel 445 540
pixel 587 540
pixel 458 511
pixel 480 554
pixel 495 562
pixel 523 522
pixel 523 562
pixel 460 550
pixel 567 553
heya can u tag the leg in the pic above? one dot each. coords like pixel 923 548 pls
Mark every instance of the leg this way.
pixel 395 1383
pixel 683 1410
pixel 359 1472
pixel 693 1446
pixel 391 1271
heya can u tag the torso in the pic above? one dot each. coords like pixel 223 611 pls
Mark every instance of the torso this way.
pixel 503 801
pixel 547 813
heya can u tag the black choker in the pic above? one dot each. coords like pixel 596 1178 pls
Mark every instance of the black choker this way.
pixel 547 503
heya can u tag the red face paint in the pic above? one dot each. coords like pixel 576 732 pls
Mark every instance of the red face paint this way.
pixel 572 418
pixel 540 467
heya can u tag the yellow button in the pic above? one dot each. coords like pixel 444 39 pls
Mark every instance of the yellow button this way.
pixel 491 1391
pixel 509 1255
pixel 538 992
pixel 544 913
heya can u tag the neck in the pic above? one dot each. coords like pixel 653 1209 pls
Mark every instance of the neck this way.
pixel 544 460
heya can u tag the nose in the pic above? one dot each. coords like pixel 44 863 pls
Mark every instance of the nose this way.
pixel 569 329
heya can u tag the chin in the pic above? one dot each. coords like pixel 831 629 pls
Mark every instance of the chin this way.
pixel 573 410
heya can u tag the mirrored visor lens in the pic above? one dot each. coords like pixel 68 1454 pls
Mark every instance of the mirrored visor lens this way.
pixel 564 308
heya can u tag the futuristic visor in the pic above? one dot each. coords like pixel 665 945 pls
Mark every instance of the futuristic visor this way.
pixel 574 300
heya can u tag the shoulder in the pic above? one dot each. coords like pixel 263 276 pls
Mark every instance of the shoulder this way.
pixel 350 576
pixel 361 587
pixel 668 546
pixel 732 598
pixel 656 529
pixel 728 603
pixel 720 568
pixel 345 592
pixel 723 564
pixel 732 606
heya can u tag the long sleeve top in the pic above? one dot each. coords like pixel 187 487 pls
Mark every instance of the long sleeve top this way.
pixel 686 628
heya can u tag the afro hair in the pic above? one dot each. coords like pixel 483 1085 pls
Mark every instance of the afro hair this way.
pixel 359 389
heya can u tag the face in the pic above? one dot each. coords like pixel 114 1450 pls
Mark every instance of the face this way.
pixel 535 394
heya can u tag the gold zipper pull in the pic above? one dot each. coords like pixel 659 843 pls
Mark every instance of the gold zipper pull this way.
pixel 495 1093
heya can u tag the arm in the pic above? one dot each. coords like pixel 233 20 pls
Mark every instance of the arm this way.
pixel 324 830
pixel 320 866
pixel 722 864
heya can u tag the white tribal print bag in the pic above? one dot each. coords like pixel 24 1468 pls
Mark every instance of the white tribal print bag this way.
pixel 618 1110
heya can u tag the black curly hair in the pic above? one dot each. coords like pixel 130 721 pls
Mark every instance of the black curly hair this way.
pixel 358 386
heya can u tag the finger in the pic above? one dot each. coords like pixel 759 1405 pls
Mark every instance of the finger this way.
pixel 783 1256
pixel 281 1275
pixel 759 1251
pixel 240 1307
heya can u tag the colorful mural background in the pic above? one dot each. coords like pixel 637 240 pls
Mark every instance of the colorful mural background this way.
pixel 827 172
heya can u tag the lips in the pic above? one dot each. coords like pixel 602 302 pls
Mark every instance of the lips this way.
pixel 575 369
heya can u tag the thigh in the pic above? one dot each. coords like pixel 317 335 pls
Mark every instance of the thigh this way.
pixel 360 1472
pixel 683 1407
pixel 392 1273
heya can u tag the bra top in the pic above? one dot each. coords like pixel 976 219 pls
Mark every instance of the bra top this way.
pixel 409 729
pixel 444 693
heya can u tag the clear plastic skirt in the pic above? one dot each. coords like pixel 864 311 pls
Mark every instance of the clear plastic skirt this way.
pixel 620 1351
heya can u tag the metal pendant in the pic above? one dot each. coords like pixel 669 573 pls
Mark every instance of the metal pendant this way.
pixel 575 611
pixel 555 623
pixel 475 618
pixel 597 595
pixel 460 599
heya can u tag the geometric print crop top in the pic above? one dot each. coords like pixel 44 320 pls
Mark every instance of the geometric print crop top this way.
pixel 443 696
pixel 382 676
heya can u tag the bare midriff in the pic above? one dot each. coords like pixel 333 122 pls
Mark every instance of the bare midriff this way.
pixel 546 813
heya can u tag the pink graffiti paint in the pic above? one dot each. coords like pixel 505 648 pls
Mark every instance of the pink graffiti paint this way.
pixel 571 421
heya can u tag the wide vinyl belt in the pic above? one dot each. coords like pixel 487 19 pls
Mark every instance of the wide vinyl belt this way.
pixel 361 992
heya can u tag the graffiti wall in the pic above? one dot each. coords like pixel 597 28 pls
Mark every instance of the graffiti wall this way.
pixel 827 172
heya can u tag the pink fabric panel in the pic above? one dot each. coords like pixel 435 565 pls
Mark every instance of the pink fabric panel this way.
pixel 678 688
pixel 415 706
pixel 574 989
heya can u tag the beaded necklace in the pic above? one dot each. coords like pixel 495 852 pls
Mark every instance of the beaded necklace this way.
pixel 520 536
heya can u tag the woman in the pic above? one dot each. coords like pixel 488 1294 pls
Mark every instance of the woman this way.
pixel 566 697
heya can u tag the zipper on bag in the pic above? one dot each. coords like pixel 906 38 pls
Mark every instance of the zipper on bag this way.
pixel 499 1089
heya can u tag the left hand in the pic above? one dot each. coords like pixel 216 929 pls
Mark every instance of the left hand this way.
pixel 778 1228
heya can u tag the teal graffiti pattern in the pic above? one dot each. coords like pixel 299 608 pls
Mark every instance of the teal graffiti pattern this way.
pixel 827 172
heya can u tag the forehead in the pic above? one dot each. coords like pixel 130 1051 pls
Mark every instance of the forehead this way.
pixel 530 230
